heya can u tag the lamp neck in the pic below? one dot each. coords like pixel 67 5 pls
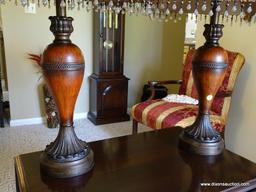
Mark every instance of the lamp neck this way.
pixel 61 25
pixel 213 31
pixel 62 28
pixel 61 8
pixel 215 17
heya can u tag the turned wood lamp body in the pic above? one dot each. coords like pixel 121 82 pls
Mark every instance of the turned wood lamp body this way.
pixel 209 66
pixel 63 69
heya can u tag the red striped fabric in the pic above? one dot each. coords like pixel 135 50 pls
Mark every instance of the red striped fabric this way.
pixel 151 113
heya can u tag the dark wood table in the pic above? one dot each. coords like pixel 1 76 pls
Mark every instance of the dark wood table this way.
pixel 146 162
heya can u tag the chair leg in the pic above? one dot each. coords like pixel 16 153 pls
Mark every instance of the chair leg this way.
pixel 1 114
pixel 223 135
pixel 2 122
pixel 134 126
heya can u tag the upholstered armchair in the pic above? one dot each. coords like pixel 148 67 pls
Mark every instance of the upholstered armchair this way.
pixel 158 114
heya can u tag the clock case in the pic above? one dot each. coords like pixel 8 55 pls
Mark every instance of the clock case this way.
pixel 108 85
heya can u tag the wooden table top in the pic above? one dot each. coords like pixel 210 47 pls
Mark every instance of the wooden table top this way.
pixel 150 162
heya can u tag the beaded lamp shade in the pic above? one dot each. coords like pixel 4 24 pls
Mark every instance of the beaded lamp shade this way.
pixel 162 10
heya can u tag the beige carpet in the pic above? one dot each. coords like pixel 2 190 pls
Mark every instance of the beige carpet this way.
pixel 25 139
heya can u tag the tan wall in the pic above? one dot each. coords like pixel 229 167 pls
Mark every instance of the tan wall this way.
pixel 147 44
pixel 172 52
pixel 241 130
pixel 29 33
pixel 153 51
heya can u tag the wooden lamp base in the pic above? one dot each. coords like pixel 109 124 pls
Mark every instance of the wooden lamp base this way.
pixel 194 146
pixel 66 169
pixel 201 138
pixel 67 156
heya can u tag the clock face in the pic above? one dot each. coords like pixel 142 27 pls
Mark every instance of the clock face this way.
pixel 108 44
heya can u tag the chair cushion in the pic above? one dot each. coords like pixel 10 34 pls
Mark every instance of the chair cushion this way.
pixel 159 114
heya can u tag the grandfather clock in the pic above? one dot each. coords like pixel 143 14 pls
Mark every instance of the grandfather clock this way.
pixel 108 85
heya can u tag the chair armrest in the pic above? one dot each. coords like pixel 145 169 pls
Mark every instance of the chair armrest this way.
pixel 154 83
pixel 224 94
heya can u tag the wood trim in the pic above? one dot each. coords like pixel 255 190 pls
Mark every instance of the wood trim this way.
pixel 164 82
pixel 153 83
pixel 40 120
pixel 20 174
pixel 134 126
pixel 224 94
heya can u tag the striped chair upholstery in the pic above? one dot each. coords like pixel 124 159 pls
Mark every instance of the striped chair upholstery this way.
pixel 159 114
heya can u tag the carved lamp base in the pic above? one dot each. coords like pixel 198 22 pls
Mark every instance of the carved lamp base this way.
pixel 201 138
pixel 67 156
pixel 200 148
pixel 66 169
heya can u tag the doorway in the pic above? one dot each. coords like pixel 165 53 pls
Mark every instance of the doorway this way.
pixel 4 96
pixel 190 38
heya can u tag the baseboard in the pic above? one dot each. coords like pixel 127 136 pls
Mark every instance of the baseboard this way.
pixel 30 121
pixel 40 120
pixel 80 116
